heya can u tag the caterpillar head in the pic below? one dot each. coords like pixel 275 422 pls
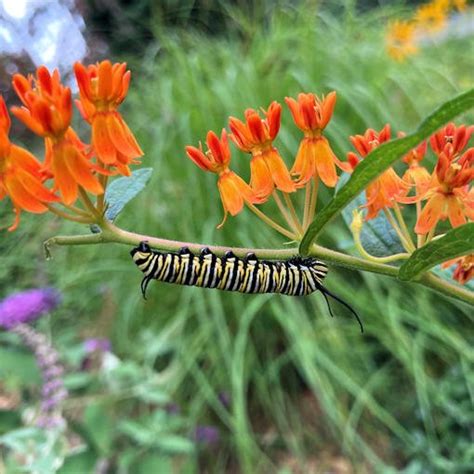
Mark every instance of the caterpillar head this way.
pixel 141 252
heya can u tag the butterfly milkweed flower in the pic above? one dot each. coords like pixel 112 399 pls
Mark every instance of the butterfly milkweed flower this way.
pixel 47 111
pixel 416 174
pixel 102 88
pixel 21 175
pixel 255 136
pixel 464 270
pixel 400 39
pixel 448 196
pixel 315 156
pixel 388 187
pixel 234 191
pixel 451 136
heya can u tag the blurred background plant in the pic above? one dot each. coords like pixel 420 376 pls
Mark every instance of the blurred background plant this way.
pixel 197 381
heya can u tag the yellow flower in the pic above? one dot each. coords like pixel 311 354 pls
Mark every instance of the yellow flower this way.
pixel 400 40
pixel 432 16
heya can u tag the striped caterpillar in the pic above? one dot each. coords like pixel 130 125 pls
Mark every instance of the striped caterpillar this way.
pixel 297 276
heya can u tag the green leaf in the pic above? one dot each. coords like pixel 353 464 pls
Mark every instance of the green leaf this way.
pixel 100 427
pixel 380 159
pixel 174 444
pixel 378 237
pixel 123 190
pixel 455 243
pixel 149 462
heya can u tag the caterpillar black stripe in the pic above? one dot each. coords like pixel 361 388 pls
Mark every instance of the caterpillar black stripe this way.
pixel 295 277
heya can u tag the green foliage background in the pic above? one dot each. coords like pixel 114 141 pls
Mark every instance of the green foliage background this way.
pixel 306 391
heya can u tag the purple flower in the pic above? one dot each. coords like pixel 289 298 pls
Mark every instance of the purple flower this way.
pixel 53 391
pixel 26 306
pixel 206 434
pixel 97 344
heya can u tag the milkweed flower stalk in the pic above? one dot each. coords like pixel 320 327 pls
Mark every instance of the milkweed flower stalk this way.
pixel 315 159
pixel 16 312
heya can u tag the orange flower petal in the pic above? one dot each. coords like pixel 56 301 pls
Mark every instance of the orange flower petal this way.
pixel 273 119
pixel 79 168
pixel 35 187
pixel 25 160
pixel 431 214
pixel 260 177
pixel 327 109
pixel 245 190
pixel 455 211
pixel 232 199
pixel 117 80
pixel 64 180
pixel 105 80
pixel 22 197
pixel 101 141
pixel 279 172
pixel 83 81
pixel 121 136
pixel 219 148
pixel 304 166
pixel 240 134
pixel 196 155
pixel 256 128
pixel 24 115
pixel 324 160
pixel 21 85
pixel 5 121
pixel 295 112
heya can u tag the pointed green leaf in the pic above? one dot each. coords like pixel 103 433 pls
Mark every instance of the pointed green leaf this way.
pixel 122 190
pixel 455 243
pixel 380 159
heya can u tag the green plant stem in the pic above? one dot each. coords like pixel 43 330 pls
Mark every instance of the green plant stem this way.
pixel 283 210
pixel 70 217
pixel 368 256
pixel 307 200
pixel 396 228
pixel 270 222
pixel 293 214
pixel 111 233
pixel 403 226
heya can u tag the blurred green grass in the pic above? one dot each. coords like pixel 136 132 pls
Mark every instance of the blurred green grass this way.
pixel 303 387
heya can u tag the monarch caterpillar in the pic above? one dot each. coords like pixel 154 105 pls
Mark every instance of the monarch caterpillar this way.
pixel 295 277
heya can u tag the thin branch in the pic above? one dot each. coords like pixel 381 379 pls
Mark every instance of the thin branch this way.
pixel 294 216
pixel 111 233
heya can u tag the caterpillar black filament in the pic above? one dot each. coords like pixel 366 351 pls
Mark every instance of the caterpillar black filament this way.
pixel 295 277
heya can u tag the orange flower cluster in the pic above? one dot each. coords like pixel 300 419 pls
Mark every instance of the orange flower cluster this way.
pixel 315 156
pixel 232 188
pixel 383 192
pixel 448 195
pixel 402 36
pixel 70 166
pixel 268 171
pixel 446 189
